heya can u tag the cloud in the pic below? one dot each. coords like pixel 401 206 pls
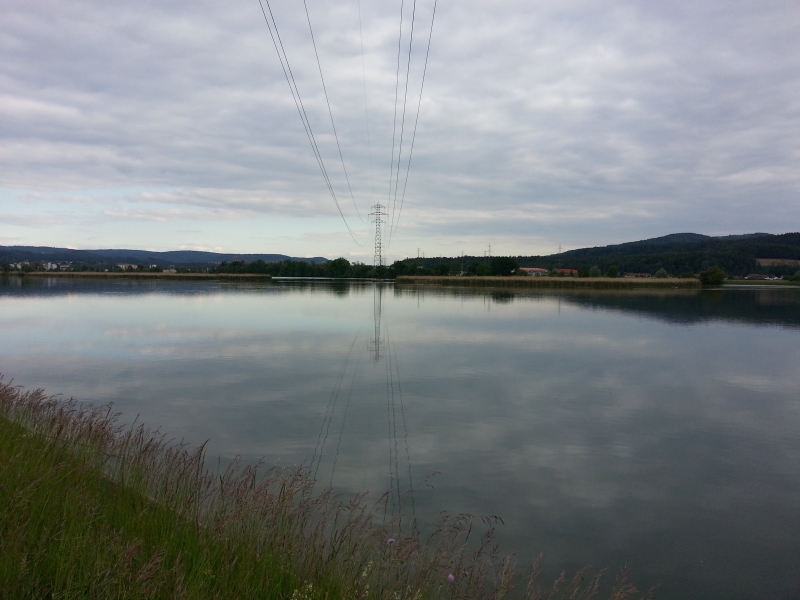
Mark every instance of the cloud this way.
pixel 597 121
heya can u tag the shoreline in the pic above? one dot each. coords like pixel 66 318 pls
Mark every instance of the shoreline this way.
pixel 488 282
pixel 115 275
pixel 600 283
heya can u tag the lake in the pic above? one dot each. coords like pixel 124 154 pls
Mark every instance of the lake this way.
pixel 657 429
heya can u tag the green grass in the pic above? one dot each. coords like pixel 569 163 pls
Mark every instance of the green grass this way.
pixel 598 283
pixel 91 510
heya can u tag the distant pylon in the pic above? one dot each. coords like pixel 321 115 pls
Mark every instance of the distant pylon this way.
pixel 376 214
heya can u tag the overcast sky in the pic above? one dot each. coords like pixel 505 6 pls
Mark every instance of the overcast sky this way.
pixel 169 124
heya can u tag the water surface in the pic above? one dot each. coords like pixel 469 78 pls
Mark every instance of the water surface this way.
pixel 661 430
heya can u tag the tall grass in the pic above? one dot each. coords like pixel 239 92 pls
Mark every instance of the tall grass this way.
pixel 597 283
pixel 89 509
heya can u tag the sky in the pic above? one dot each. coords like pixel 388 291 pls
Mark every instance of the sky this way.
pixel 169 124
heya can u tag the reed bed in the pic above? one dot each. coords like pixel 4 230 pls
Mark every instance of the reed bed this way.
pixel 134 275
pixel 597 283
pixel 91 509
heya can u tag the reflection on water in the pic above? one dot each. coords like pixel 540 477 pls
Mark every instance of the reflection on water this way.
pixel 657 429
pixel 400 507
pixel 776 305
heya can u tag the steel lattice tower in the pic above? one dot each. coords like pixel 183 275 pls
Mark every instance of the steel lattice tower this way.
pixel 377 214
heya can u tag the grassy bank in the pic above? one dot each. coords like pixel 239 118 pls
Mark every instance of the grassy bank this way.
pixel 597 283
pixel 133 275
pixel 91 510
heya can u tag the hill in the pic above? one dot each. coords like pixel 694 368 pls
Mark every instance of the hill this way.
pixel 685 253
pixel 677 253
pixel 112 257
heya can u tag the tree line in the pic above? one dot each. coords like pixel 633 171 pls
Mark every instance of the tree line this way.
pixel 341 268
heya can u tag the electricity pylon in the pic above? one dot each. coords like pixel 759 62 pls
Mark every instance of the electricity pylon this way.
pixel 377 214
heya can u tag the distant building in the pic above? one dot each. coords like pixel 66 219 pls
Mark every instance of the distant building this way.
pixel 567 272
pixel 639 275
pixel 126 266
pixel 534 271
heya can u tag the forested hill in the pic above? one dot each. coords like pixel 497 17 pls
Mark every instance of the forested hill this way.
pixel 787 244
pixel 683 253
pixel 677 253
pixel 110 257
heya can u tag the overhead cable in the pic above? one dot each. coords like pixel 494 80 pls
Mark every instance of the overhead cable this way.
pixel 287 72
pixel 366 104
pixel 396 90
pixel 405 102
pixel 330 112
pixel 416 122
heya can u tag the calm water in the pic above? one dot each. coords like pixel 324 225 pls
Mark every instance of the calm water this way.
pixel 658 430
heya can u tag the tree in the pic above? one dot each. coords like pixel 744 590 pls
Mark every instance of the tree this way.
pixel 594 271
pixel 442 269
pixel 712 276
pixel 338 268
pixel 503 265
pixel 399 268
pixel 482 270
pixel 613 271
pixel 661 273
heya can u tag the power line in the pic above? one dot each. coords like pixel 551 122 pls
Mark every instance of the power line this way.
pixel 298 101
pixel 416 122
pixel 396 89
pixel 366 104
pixel 295 91
pixel 330 112
pixel 405 103
pixel 295 94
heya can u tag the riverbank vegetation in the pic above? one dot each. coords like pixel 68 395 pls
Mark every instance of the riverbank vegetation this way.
pixel 90 509
pixel 601 283
pixel 189 276
pixel 340 268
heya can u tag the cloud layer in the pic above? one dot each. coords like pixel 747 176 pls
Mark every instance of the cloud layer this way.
pixel 169 124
